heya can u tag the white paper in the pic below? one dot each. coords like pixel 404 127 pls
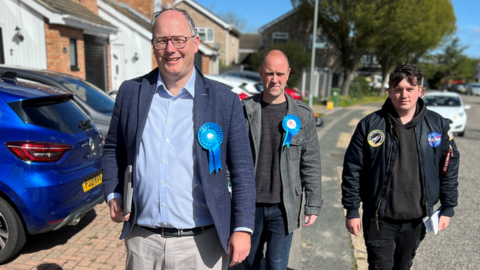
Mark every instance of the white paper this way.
pixel 431 223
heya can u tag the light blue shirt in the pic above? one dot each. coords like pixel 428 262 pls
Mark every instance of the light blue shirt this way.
pixel 169 190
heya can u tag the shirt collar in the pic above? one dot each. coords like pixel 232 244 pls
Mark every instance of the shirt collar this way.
pixel 190 86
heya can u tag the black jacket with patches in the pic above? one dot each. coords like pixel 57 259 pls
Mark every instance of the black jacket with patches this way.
pixel 368 166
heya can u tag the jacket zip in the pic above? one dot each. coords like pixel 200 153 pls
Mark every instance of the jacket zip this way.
pixel 386 174
pixel 421 178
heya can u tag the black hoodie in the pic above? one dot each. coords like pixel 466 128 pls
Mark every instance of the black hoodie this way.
pixel 405 200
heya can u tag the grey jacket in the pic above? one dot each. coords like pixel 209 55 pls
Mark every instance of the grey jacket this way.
pixel 299 164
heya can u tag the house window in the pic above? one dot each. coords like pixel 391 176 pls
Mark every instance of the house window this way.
pixel 321 42
pixel 73 54
pixel 206 34
pixel 279 37
pixel 2 56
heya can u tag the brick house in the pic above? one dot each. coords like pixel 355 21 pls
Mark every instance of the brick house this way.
pixel 62 36
pixel 213 31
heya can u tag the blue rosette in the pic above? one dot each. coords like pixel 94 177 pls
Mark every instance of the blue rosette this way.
pixel 291 124
pixel 210 137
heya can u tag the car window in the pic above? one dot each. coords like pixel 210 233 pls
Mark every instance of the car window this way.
pixel 57 113
pixel 442 101
pixel 94 97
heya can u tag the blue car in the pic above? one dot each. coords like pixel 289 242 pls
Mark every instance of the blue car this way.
pixel 50 162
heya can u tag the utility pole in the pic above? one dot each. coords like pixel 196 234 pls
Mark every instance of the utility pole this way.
pixel 312 65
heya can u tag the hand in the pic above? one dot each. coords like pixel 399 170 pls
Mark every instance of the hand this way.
pixel 443 222
pixel 353 225
pixel 116 211
pixel 238 247
pixel 309 220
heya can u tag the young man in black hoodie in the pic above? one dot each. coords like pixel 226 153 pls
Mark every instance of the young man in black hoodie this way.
pixel 401 160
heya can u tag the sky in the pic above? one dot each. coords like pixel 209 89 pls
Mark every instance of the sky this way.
pixel 257 13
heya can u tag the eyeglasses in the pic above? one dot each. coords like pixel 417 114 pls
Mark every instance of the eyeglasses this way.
pixel 178 42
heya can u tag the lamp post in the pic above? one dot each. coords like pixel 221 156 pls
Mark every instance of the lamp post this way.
pixel 312 65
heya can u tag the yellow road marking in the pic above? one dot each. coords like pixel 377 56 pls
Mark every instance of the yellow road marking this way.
pixel 354 122
pixel 344 140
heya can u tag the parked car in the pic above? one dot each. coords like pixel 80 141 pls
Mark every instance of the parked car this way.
pixel 113 94
pixel 50 162
pixel 458 88
pixel 252 86
pixel 376 82
pixel 95 102
pixel 450 106
pixel 473 89
pixel 235 86
pixel 247 74
pixel 255 76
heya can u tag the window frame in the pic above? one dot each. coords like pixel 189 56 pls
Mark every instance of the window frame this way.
pixel 280 36
pixel 2 51
pixel 73 66
pixel 204 30
pixel 323 39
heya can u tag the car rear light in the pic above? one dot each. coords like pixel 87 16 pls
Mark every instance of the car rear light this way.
pixel 38 151
pixel 242 95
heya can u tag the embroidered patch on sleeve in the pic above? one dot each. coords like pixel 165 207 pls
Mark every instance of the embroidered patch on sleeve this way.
pixel 450 135
pixel 434 139
pixel 376 138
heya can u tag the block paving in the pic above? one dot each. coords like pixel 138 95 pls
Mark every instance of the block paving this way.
pixel 91 244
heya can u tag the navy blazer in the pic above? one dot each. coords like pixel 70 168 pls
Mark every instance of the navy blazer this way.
pixel 212 103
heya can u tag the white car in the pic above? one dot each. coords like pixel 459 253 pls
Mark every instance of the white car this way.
pixel 449 105
pixel 236 86
pixel 253 87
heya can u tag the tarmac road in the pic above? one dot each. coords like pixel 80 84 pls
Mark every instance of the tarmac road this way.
pixel 458 246
pixel 94 244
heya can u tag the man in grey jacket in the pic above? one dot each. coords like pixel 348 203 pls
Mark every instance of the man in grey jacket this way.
pixel 286 153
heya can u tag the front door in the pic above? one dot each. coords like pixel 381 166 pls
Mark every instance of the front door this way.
pixel 118 66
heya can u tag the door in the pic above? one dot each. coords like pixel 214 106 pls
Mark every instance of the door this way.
pixel 96 61
pixel 118 66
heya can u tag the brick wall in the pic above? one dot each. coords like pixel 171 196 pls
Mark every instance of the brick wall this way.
pixel 299 30
pixel 57 37
pixel 89 4
pixel 144 7
pixel 165 3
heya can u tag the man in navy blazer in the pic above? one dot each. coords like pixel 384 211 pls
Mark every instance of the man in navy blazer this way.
pixel 183 215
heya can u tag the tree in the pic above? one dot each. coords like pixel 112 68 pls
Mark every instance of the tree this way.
pixel 410 29
pixel 396 31
pixel 297 59
pixel 351 25
pixel 449 64
pixel 233 19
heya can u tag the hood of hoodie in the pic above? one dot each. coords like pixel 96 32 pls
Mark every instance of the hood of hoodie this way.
pixel 393 116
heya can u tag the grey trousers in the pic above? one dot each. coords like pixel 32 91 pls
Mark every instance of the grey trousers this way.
pixel 148 250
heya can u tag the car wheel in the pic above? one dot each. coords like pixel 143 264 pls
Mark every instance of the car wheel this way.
pixel 461 133
pixel 12 232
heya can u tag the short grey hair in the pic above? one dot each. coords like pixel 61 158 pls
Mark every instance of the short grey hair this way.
pixel 191 24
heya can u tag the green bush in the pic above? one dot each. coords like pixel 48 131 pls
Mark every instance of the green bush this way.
pixel 359 88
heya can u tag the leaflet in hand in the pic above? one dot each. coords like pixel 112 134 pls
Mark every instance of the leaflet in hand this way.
pixel 431 223
pixel 128 190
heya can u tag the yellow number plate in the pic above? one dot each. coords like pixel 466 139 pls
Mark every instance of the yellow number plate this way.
pixel 92 182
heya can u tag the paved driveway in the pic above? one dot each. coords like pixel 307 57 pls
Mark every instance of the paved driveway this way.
pixel 92 244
